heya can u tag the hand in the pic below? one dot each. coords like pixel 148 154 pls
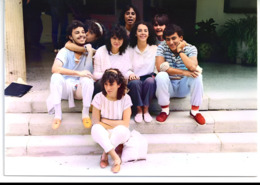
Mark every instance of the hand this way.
pixel 199 69
pixel 164 66
pixel 193 74
pixel 88 48
pixel 181 45
pixel 133 77
pixel 85 73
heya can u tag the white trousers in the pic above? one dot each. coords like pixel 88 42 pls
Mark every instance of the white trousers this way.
pixel 167 89
pixel 109 138
pixel 65 89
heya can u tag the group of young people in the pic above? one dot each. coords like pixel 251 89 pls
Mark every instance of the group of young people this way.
pixel 136 62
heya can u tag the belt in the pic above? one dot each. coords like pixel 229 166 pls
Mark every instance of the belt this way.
pixel 176 78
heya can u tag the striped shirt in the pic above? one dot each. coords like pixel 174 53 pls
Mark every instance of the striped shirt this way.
pixel 175 61
pixel 111 109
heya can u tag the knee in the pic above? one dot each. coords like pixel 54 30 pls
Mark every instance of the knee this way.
pixel 134 83
pixel 162 77
pixel 96 129
pixel 56 78
pixel 198 79
pixel 150 81
pixel 87 81
pixel 122 131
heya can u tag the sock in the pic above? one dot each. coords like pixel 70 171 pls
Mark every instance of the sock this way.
pixel 166 109
pixel 58 112
pixel 85 112
pixel 194 110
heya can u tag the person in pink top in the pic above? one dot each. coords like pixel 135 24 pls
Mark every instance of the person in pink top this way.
pixel 111 116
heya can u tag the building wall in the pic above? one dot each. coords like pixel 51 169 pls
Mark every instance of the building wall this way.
pixel 207 9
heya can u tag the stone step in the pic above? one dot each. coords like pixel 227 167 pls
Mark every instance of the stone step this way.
pixel 157 143
pixel 24 124
pixel 35 102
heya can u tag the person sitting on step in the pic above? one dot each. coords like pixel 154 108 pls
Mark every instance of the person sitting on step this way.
pixel 72 77
pixel 178 74
pixel 111 116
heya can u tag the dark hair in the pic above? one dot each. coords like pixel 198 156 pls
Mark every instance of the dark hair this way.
pixel 161 19
pixel 124 10
pixel 151 40
pixel 74 24
pixel 120 33
pixel 111 76
pixel 92 26
pixel 171 29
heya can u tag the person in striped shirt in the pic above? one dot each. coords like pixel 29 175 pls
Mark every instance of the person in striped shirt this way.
pixel 179 74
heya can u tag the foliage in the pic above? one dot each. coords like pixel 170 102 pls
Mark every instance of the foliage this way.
pixel 205 38
pixel 236 33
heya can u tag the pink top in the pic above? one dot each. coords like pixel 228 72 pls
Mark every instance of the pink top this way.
pixel 111 109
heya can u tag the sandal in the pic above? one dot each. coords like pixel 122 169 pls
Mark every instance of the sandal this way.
pixel 87 122
pixel 103 162
pixel 115 168
pixel 56 123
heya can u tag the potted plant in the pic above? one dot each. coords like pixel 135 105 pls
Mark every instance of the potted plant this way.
pixel 205 37
pixel 240 38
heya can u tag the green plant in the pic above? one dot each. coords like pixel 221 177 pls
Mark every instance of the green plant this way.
pixel 241 33
pixel 205 36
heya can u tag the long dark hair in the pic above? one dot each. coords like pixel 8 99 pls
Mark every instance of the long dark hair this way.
pixel 151 40
pixel 120 33
pixel 114 75
pixel 124 10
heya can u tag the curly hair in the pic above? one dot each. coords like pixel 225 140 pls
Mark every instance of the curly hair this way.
pixel 151 40
pixel 74 24
pixel 120 33
pixel 171 29
pixel 124 10
pixel 114 75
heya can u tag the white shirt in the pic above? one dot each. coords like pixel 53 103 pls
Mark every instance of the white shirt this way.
pixel 111 109
pixel 105 61
pixel 143 63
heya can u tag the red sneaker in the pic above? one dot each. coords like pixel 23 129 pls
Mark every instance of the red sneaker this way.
pixel 199 118
pixel 162 117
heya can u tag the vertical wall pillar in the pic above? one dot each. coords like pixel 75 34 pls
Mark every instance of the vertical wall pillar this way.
pixel 15 65
pixel 139 5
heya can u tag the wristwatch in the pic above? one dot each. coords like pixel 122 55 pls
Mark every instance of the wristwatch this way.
pixel 181 51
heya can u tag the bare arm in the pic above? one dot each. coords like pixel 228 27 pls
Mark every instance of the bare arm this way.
pixel 125 121
pixel 74 47
pixel 96 118
pixel 57 68
pixel 190 62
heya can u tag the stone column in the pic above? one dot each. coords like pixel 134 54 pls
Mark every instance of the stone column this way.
pixel 15 66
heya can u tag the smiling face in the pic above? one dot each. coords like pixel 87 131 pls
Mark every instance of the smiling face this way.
pixel 130 17
pixel 173 40
pixel 116 43
pixel 159 29
pixel 142 32
pixel 78 36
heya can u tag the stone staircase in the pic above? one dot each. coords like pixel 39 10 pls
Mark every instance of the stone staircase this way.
pixel 229 128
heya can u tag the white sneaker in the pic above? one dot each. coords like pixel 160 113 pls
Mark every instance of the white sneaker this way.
pixel 147 117
pixel 139 118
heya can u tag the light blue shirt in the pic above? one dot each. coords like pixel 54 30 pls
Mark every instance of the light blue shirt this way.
pixel 67 57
